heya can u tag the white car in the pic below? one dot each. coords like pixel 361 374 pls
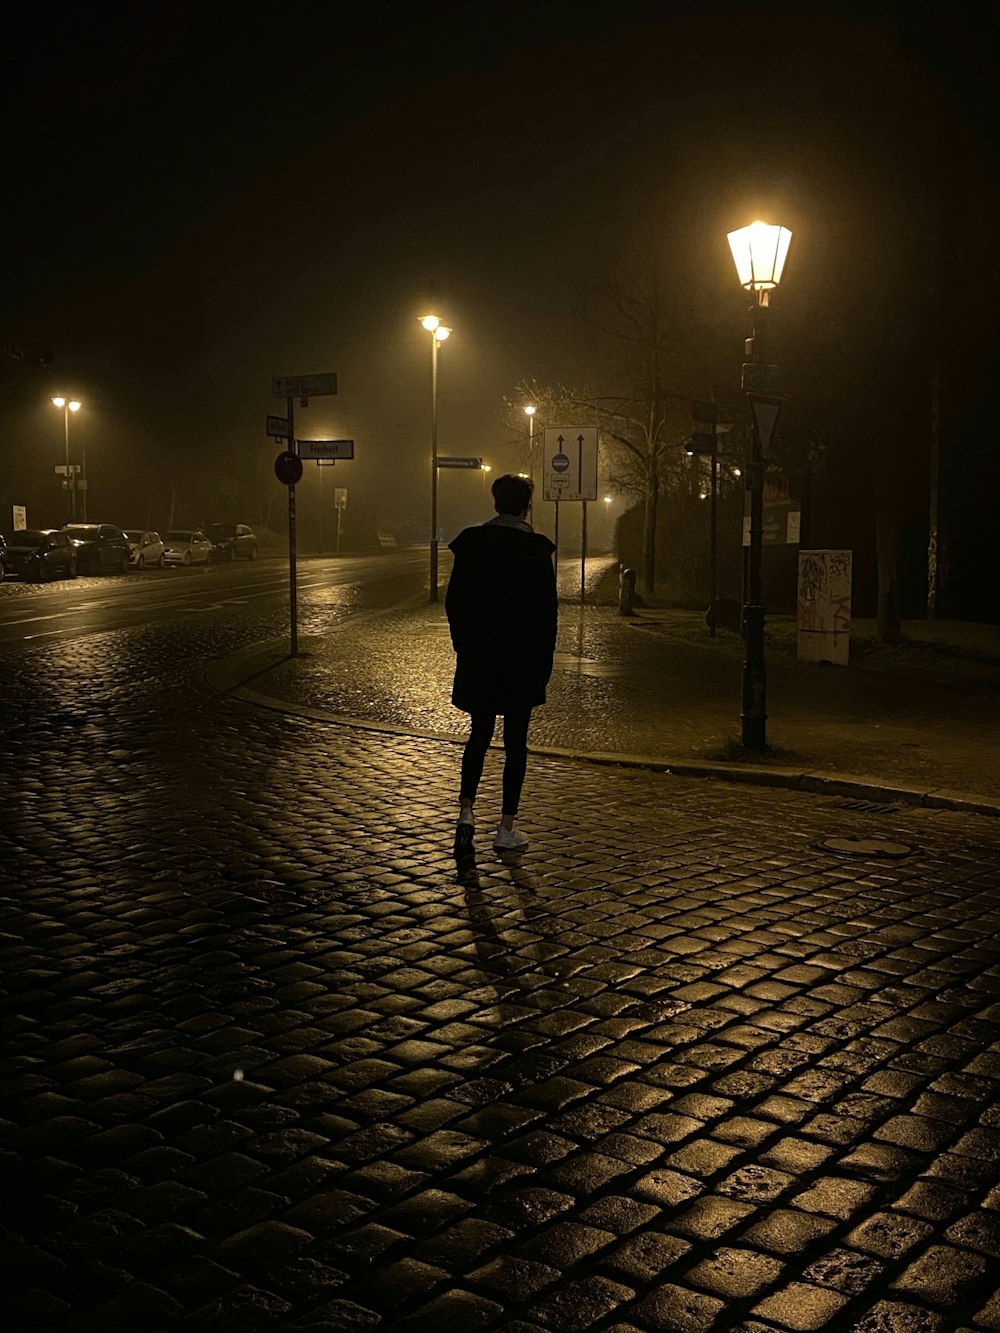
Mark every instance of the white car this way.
pixel 146 547
pixel 187 546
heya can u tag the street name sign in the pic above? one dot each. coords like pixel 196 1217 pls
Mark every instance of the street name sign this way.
pixel 304 386
pixel 460 462
pixel 325 448
pixel 277 428
pixel 570 463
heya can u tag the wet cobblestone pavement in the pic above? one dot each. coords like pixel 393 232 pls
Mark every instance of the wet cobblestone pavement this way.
pixel 621 687
pixel 274 1060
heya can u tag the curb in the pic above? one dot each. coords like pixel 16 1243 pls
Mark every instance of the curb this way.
pixel 228 676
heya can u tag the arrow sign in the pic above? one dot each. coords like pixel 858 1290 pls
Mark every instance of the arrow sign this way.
pixel 277 428
pixel 765 409
pixel 460 462
pixel 325 448
pixel 570 463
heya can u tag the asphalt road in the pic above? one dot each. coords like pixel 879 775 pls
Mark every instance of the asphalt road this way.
pixel 326 588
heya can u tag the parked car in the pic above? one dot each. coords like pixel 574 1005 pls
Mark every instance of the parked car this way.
pixel 230 541
pixel 40 554
pixel 187 546
pixel 146 547
pixel 100 547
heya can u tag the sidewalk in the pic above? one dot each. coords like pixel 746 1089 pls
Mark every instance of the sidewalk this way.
pixel 656 690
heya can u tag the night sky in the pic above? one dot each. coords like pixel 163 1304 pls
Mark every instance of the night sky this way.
pixel 201 196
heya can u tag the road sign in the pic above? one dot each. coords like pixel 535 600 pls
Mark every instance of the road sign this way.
pixel 765 409
pixel 570 463
pixel 340 497
pixel 288 468
pixel 61 469
pixel 19 515
pixel 278 429
pixel 303 386
pixel 460 462
pixel 325 448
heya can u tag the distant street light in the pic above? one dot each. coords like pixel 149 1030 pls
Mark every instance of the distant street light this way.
pixel 529 412
pixel 439 332
pixel 484 468
pixel 71 405
pixel 759 253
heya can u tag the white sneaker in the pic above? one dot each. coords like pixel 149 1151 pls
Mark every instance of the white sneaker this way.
pixel 509 840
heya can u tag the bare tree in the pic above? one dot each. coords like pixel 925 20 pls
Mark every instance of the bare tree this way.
pixel 636 389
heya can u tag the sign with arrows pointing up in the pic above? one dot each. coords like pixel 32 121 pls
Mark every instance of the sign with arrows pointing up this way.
pixel 570 463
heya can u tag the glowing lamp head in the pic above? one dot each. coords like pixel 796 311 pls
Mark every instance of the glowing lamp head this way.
pixel 59 402
pixel 441 332
pixel 607 499
pixel 530 410
pixel 759 253
pixel 74 406
pixel 430 322
pixel 486 467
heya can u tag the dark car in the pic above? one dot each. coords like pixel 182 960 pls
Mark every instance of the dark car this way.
pixel 231 541
pixel 40 554
pixel 100 547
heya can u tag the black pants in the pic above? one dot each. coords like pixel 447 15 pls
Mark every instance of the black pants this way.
pixel 515 745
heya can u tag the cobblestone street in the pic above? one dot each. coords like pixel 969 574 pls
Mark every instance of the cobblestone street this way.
pixel 706 1057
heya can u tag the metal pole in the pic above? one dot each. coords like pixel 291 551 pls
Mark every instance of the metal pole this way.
pixel 713 590
pixel 754 715
pixel 583 554
pixel 531 464
pixel 70 476
pixel 434 466
pixel 83 480
pixel 340 510
pixel 556 560
pixel 293 596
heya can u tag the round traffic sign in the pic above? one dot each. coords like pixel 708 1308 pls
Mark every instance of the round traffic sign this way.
pixel 560 462
pixel 288 468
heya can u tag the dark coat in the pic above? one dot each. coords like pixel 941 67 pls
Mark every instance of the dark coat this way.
pixel 502 609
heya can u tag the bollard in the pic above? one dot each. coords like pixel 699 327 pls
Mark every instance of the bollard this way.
pixel 626 592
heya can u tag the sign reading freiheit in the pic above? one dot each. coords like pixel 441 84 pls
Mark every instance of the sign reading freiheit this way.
pixel 304 386
pixel 325 448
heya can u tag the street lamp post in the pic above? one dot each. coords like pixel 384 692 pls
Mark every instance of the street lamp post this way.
pixel 71 405
pixel 439 332
pixel 484 468
pixel 759 252
pixel 529 412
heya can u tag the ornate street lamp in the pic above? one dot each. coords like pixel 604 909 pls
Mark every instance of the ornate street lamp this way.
pixel 759 253
pixel 439 332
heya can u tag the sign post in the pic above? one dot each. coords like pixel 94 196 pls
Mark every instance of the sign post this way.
pixel 570 473
pixel 288 468
pixel 340 504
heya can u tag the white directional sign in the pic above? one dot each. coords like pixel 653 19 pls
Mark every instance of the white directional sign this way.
pixel 304 386
pixel 570 463
pixel 325 448
pixel 277 428
pixel 459 462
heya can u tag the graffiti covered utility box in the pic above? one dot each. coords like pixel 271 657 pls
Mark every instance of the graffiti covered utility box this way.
pixel 824 606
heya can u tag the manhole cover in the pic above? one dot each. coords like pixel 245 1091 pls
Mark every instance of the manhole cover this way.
pixel 867 847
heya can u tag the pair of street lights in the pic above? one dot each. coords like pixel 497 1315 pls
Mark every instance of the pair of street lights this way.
pixel 439 333
pixel 69 405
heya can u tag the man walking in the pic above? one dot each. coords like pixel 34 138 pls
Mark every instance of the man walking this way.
pixel 502 610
